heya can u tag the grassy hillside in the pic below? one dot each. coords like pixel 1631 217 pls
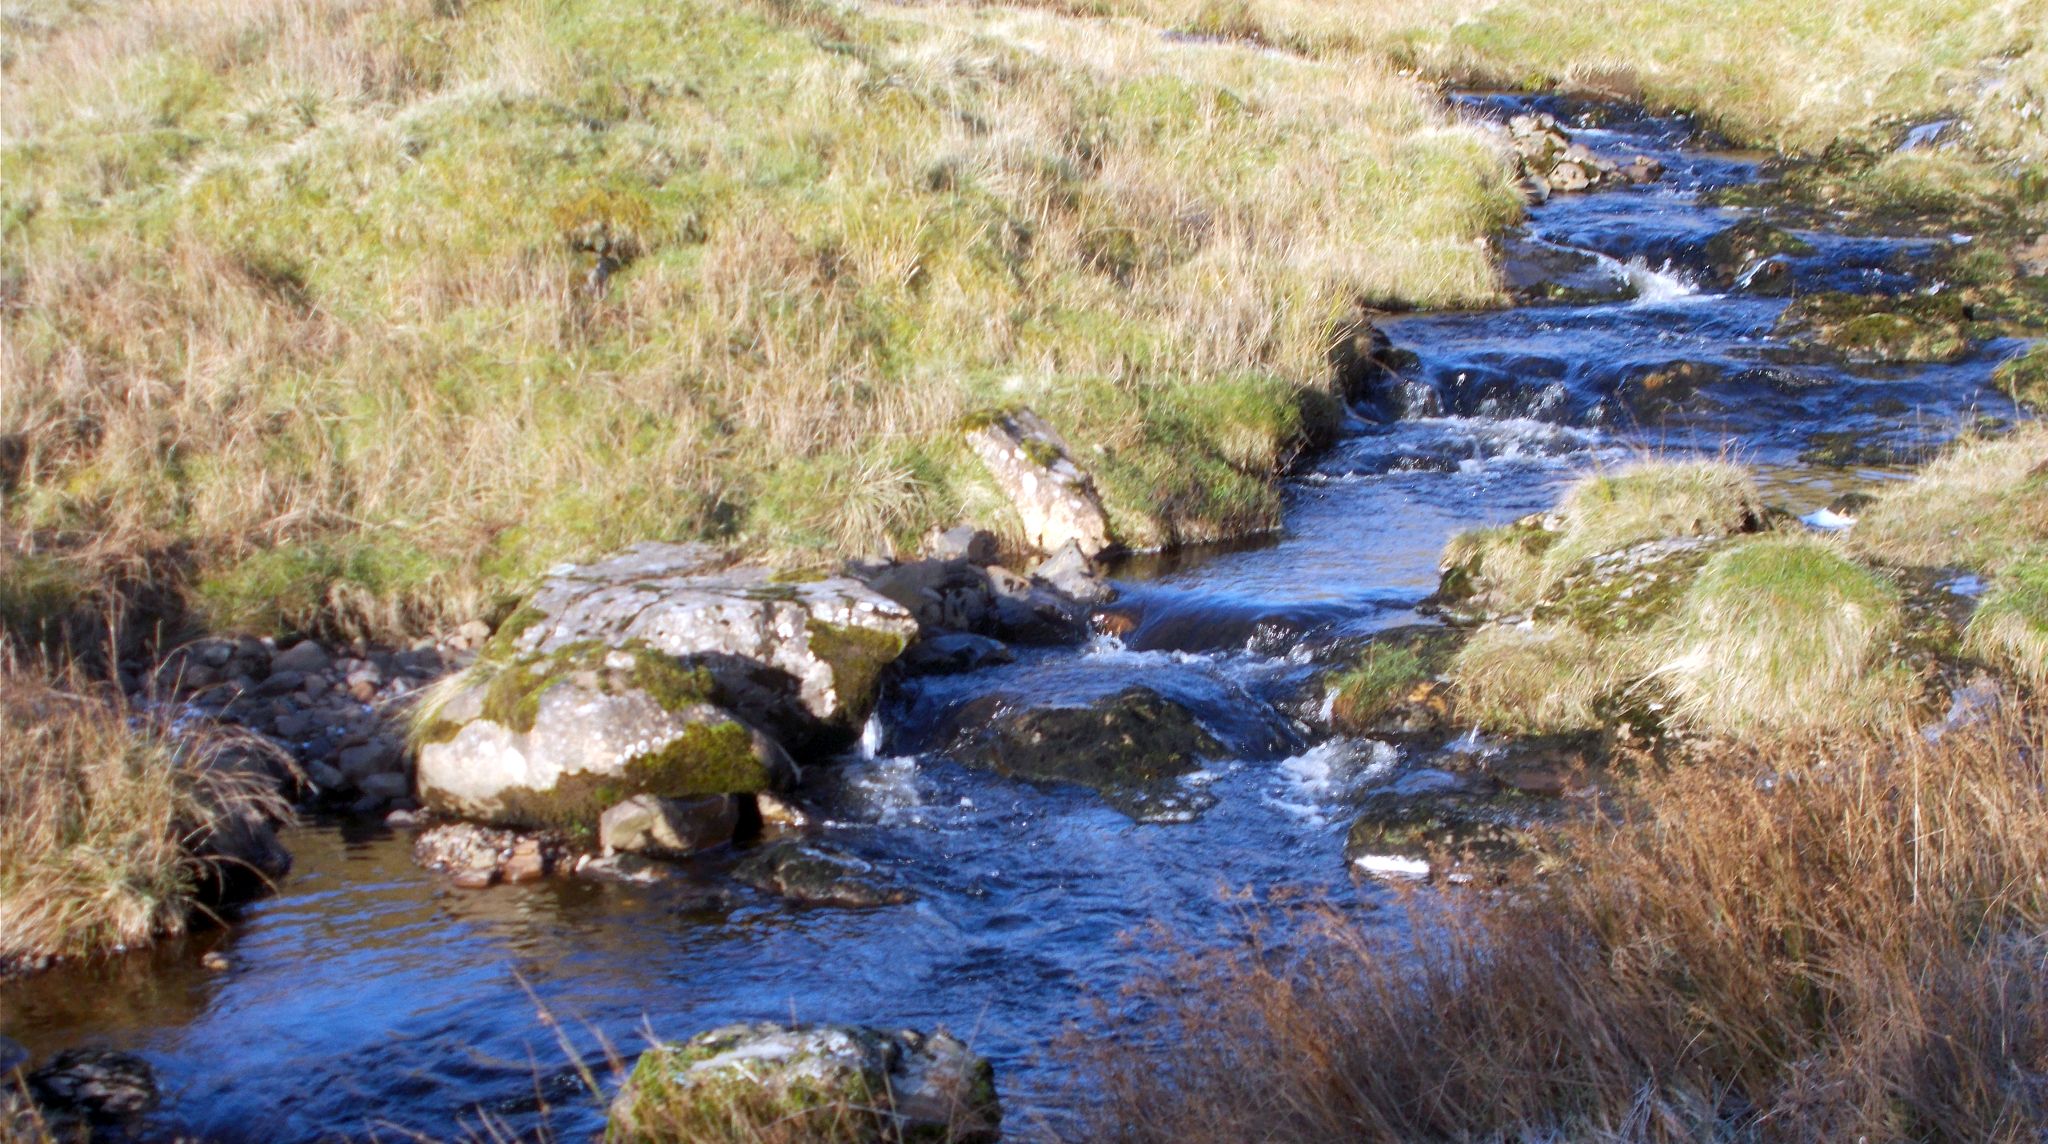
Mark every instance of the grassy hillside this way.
pixel 358 312
pixel 1800 76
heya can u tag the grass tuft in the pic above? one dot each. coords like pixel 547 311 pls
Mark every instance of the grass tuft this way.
pixel 1782 632
pixel 1535 679
pixel 101 808
pixel 2010 627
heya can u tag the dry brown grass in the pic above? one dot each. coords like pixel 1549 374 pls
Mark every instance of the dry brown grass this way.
pixel 1978 505
pixel 101 808
pixel 1783 942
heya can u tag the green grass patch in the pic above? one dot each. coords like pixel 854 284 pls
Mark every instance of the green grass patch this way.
pixel 1783 632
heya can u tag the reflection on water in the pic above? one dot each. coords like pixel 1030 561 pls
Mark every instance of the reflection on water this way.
pixel 368 993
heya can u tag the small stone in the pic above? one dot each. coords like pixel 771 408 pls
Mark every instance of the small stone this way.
pixel 474 879
pixel 372 758
pixel 964 542
pixel 1072 571
pixel 402 819
pixel 780 814
pixel 473 633
pixel 304 656
pixel 325 777
pixel 215 961
pixel 1566 178
pixel 668 827
pixel 386 787
pixel 526 863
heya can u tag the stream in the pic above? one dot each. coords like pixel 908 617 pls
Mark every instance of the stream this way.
pixel 369 998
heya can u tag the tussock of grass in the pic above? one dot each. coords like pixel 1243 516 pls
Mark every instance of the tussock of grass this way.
pixel 1783 632
pixel 2010 626
pixel 1536 679
pixel 1652 500
pixel 99 811
pixel 1978 505
pixel 376 307
pixel 1517 565
pixel 1852 949
pixel 1383 675
pixel 2025 379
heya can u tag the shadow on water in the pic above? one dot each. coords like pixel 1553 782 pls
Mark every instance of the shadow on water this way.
pixel 368 992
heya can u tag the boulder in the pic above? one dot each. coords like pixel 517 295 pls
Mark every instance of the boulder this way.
pixel 555 741
pixel 655 672
pixel 1074 573
pixel 1055 500
pixel 668 827
pixel 848 1082
pixel 818 646
pixel 813 874
pixel 1133 747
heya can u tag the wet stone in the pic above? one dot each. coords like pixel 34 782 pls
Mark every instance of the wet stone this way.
pixel 812 873
pixel 870 1085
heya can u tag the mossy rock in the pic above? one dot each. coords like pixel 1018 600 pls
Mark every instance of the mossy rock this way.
pixel 1739 247
pixel 1881 329
pixel 843 1084
pixel 1132 748
pixel 554 740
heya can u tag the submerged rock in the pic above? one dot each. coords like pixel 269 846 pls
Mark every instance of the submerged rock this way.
pixel 840 1082
pixel 84 1094
pixel 818 875
pixel 1055 500
pixel 1874 329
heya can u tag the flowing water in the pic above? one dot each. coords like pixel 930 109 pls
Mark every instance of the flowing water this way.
pixel 370 998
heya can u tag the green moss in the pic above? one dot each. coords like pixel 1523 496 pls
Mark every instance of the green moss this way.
pixel 1043 453
pixel 504 642
pixel 734 1104
pixel 512 696
pixel 671 683
pixel 705 759
pixel 858 657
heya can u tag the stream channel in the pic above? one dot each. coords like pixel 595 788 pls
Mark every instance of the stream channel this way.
pixel 370 998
